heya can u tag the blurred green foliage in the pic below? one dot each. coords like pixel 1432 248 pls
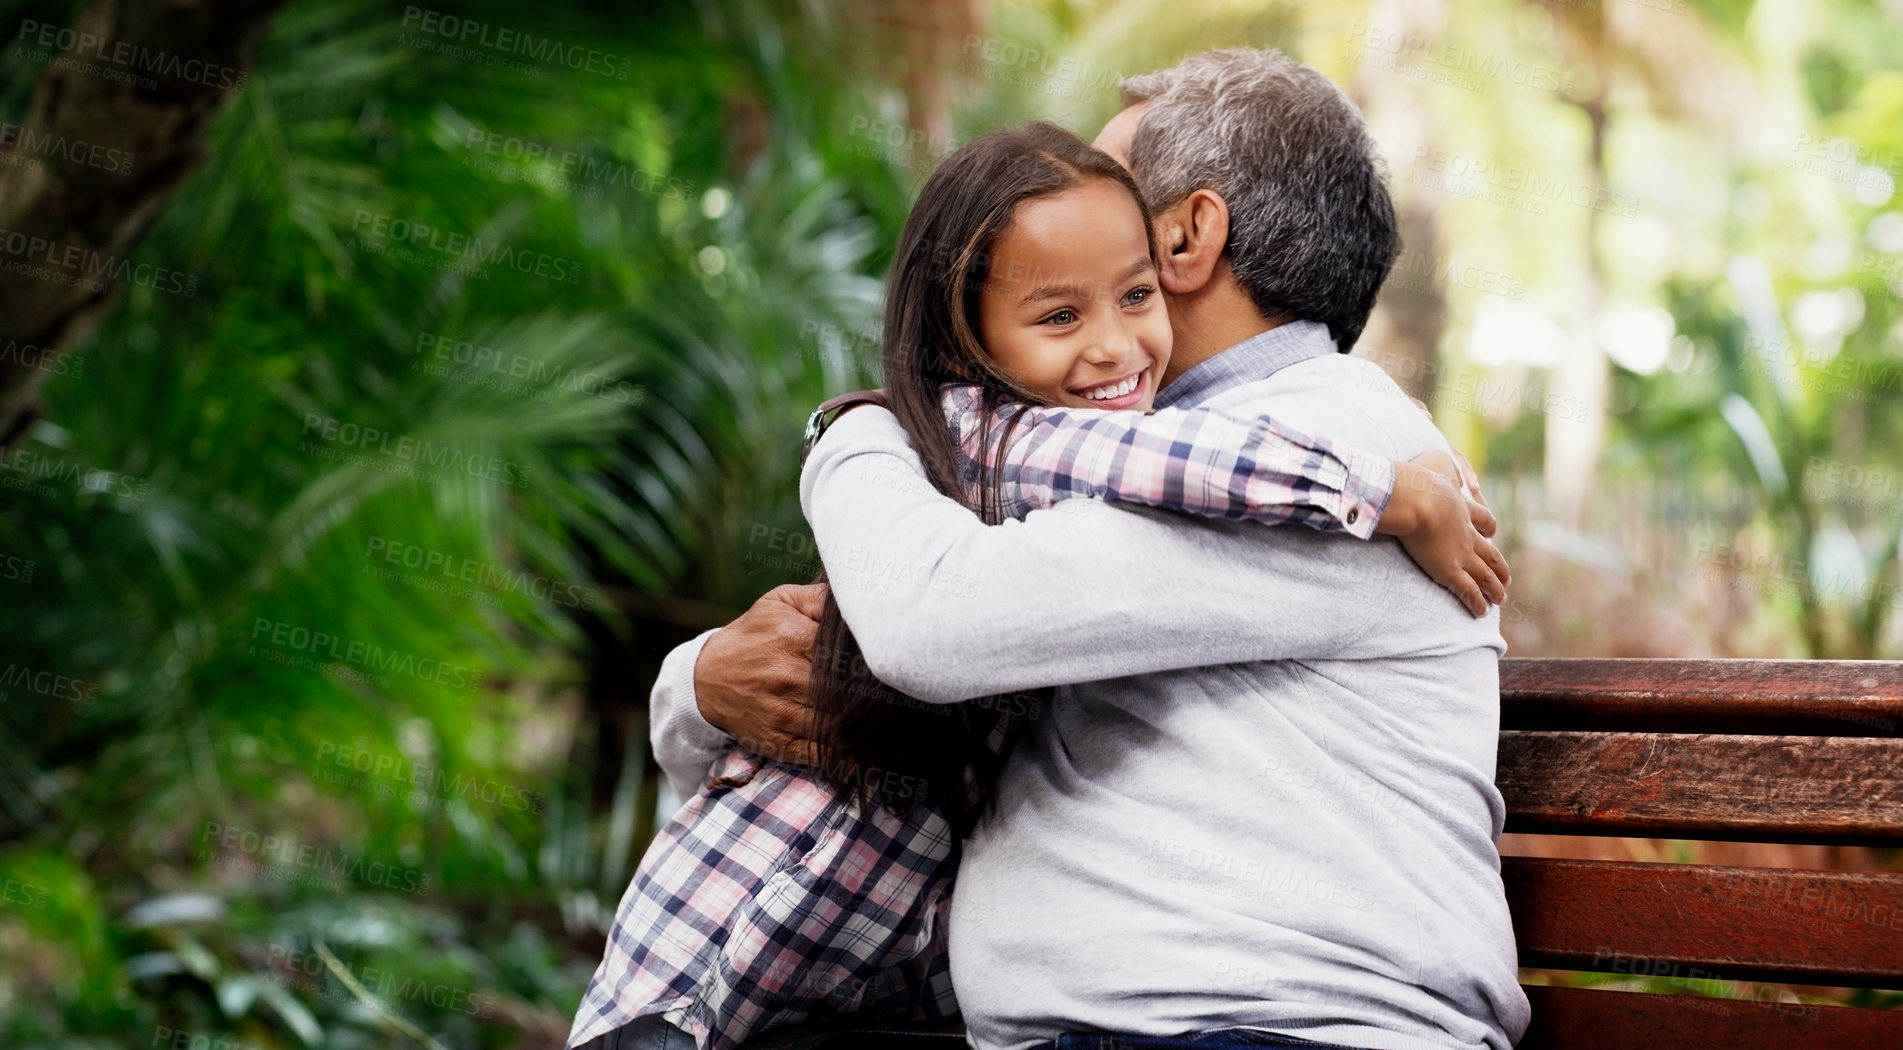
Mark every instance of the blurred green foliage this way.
pixel 333 538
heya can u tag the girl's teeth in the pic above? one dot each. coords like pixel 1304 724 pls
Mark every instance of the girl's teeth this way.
pixel 1106 393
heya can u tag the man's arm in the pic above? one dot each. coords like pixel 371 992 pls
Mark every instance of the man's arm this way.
pixel 946 608
pixel 752 676
pixel 685 744
pixel 748 677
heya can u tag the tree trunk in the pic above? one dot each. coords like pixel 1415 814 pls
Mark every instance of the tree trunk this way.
pixel 117 123
pixel 1585 375
pixel 1404 332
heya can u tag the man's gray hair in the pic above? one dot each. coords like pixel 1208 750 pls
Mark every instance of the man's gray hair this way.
pixel 1312 232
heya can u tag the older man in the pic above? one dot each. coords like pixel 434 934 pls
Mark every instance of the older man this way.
pixel 1261 810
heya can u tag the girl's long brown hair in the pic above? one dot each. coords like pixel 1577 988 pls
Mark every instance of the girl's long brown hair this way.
pixel 877 745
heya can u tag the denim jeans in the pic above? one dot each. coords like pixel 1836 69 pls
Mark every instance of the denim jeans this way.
pixel 646 1033
pixel 654 1033
pixel 1221 1039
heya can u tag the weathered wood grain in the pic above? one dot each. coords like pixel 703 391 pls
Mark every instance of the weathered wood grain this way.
pixel 1700 923
pixel 1836 790
pixel 1763 697
pixel 1585 1019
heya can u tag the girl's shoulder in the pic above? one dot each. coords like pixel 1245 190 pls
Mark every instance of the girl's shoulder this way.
pixel 958 398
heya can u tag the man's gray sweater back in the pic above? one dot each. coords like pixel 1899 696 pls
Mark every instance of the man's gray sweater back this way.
pixel 1268 799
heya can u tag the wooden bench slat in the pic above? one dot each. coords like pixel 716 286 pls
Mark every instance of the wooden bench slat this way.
pixel 1833 790
pixel 1701 922
pixel 1587 1019
pixel 1804 697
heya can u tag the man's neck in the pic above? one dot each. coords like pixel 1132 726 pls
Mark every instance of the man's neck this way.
pixel 1210 321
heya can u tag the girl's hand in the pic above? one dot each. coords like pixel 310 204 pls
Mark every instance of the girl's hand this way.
pixel 1445 532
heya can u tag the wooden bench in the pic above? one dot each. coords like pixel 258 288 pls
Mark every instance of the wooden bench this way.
pixel 1777 751
pixel 1783 751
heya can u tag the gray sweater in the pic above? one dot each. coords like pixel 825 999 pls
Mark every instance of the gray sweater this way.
pixel 1264 797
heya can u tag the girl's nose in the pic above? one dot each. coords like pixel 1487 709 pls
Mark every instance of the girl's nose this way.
pixel 1116 341
pixel 1103 351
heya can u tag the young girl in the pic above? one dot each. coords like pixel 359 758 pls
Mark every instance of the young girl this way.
pixel 1024 344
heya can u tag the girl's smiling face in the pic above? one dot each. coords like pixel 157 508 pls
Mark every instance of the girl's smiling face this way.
pixel 1070 307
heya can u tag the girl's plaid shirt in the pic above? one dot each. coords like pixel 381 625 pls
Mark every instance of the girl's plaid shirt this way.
pixel 772 903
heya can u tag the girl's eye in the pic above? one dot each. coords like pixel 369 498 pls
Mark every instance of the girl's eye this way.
pixel 1062 317
pixel 1138 295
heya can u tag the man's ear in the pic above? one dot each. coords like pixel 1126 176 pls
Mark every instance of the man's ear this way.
pixel 1190 238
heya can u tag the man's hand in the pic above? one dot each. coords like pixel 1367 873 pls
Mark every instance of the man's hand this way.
pixel 750 679
pixel 1445 532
